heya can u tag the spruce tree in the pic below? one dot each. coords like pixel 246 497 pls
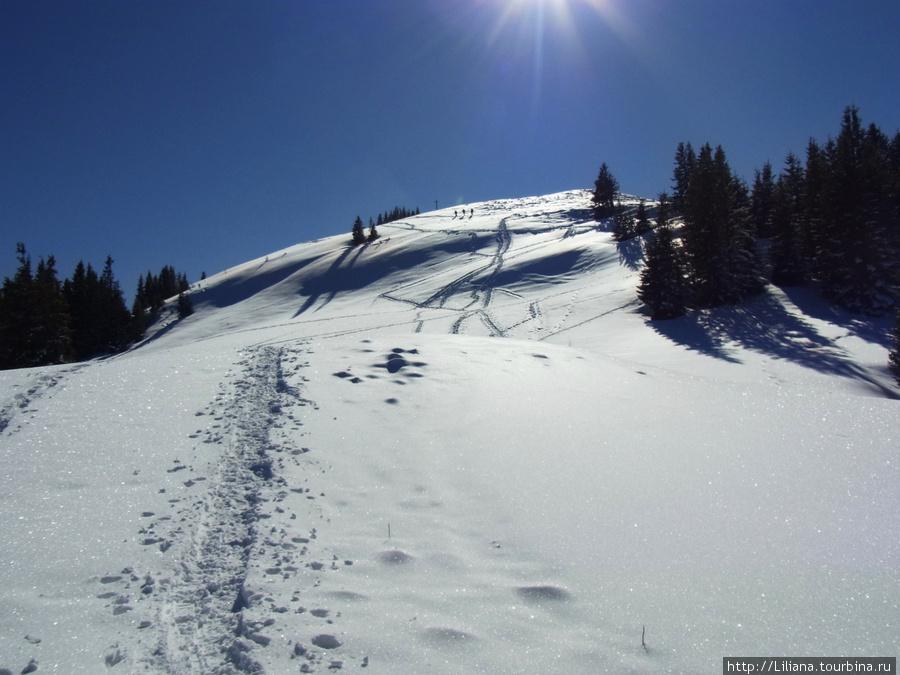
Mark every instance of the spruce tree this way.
pixel 742 253
pixel 82 294
pixel 789 268
pixel 52 340
pixel 623 223
pixel 721 256
pixel 359 234
pixel 813 223
pixel 762 197
pixel 185 305
pixel 606 187
pixel 138 324
pixel 857 258
pixel 113 317
pixel 17 324
pixel 685 163
pixel 894 356
pixel 662 286
pixel 641 220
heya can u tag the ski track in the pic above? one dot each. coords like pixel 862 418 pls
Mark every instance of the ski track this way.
pixel 480 295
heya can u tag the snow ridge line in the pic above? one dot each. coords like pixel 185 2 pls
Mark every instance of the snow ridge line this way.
pixel 200 617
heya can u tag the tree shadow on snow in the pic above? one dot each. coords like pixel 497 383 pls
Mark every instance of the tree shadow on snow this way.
pixel 631 253
pixel 352 270
pixel 764 326
pixel 871 329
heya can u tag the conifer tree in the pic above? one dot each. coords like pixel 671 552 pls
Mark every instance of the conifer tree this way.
pixel 138 324
pixel 623 223
pixel 185 305
pixel 359 234
pixel 52 339
pixel 721 256
pixel 606 187
pixel 82 294
pixel 742 253
pixel 762 197
pixel 34 316
pixel 789 267
pixel 662 286
pixel 813 210
pixel 857 259
pixel 16 319
pixel 894 356
pixel 113 317
pixel 641 220
pixel 685 163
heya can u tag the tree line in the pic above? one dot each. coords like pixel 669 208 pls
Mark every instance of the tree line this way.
pixel 46 321
pixel 358 233
pixel 832 222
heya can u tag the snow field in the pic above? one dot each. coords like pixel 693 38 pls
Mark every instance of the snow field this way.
pixel 458 449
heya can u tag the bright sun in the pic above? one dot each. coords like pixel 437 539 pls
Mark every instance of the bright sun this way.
pixel 555 15
pixel 521 28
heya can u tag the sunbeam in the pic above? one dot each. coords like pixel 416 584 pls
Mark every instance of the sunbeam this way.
pixel 534 31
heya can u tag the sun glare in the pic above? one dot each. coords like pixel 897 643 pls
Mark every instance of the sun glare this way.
pixel 522 27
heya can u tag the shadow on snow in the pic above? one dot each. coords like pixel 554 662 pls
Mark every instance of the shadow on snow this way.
pixel 763 325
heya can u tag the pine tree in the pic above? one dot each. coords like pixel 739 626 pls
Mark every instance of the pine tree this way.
pixel 34 316
pixel 762 197
pixel 185 305
pixel 722 261
pixel 623 223
pixel 113 317
pixel 606 187
pixel 857 259
pixel 813 223
pixel 52 340
pixel 894 356
pixel 789 267
pixel 641 220
pixel 138 324
pixel 662 286
pixel 82 294
pixel 685 163
pixel 16 319
pixel 373 233
pixel 359 234
pixel 742 254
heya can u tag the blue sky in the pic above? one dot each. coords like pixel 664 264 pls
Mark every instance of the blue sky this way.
pixel 204 133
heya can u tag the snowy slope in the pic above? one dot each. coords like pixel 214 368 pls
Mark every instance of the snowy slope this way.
pixel 461 448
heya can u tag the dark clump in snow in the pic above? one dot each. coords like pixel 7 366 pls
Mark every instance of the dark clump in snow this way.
pixel 263 469
pixel 395 557
pixel 238 653
pixel 326 641
pixel 242 601
pixel 540 593
pixel 445 635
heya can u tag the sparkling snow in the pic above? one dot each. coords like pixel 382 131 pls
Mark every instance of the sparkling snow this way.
pixel 460 448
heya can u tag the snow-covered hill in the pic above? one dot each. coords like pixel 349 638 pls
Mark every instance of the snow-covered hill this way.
pixel 460 448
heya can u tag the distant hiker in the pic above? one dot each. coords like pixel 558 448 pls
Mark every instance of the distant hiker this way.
pixel 471 212
pixel 455 214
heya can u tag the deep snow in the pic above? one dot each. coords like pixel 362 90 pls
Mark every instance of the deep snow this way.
pixel 460 448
